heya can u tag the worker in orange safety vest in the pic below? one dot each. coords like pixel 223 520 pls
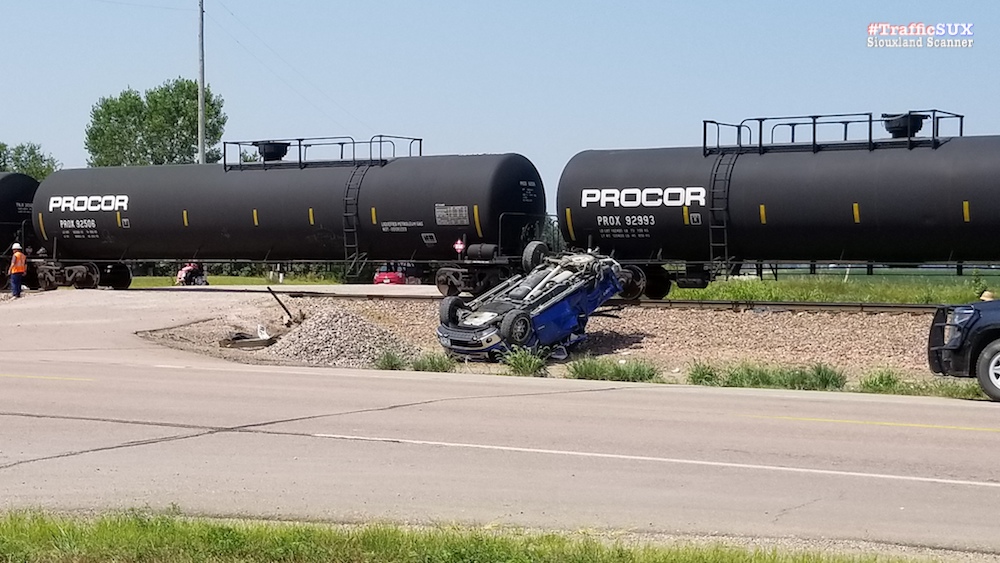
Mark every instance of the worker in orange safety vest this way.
pixel 18 267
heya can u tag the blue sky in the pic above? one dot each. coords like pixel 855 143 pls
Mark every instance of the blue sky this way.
pixel 543 78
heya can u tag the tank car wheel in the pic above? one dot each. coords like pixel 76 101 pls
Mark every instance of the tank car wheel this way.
pixel 633 282
pixel 533 253
pixel 116 276
pixel 47 280
pixel 89 279
pixel 988 370
pixel 657 282
pixel 447 289
pixel 516 328
pixel 448 310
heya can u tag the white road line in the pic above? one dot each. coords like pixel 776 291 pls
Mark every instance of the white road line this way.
pixel 626 457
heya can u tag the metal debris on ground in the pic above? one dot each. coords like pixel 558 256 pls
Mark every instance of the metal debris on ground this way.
pixel 289 318
pixel 245 340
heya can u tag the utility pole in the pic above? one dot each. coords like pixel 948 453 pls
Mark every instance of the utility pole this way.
pixel 201 81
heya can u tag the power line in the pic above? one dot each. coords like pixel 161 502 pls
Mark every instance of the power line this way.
pixel 295 70
pixel 272 71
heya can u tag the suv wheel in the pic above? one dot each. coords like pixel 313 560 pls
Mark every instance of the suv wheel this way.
pixel 988 370
pixel 448 310
pixel 515 328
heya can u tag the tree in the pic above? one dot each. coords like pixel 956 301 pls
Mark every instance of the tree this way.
pixel 27 158
pixel 159 127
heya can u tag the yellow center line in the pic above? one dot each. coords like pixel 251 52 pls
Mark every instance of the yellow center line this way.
pixel 44 377
pixel 878 423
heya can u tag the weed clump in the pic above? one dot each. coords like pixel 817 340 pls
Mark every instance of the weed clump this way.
pixel 434 362
pixel 613 370
pixel 523 362
pixel 818 377
pixel 390 360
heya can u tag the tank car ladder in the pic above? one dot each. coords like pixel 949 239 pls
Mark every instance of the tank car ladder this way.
pixel 352 220
pixel 718 213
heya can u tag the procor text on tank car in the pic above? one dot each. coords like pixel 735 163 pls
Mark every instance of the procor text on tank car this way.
pixel 467 219
pixel 800 189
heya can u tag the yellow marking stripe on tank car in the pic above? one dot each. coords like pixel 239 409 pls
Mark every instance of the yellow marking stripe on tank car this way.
pixel 687 216
pixel 569 225
pixel 857 213
pixel 255 222
pixel 118 217
pixel 41 227
pixel 185 214
pixel 763 215
pixel 374 220
pixel 475 218
pixel 312 218
pixel 965 211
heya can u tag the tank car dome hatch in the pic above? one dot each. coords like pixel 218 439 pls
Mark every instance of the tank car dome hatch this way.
pixel 903 125
pixel 272 150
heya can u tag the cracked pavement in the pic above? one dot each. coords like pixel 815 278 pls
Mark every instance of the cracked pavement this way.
pixel 93 418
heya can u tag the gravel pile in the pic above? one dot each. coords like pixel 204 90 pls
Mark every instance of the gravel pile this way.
pixel 336 337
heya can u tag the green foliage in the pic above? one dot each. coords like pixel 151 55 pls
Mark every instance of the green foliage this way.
pixel 909 286
pixel 816 377
pixel 142 536
pixel 887 381
pixel 977 283
pixel 434 362
pixel 524 362
pixel 390 360
pixel 27 158
pixel 613 370
pixel 158 127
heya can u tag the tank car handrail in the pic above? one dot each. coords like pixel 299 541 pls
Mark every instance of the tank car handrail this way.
pixel 382 139
pixel 718 131
pixel 348 151
pixel 845 120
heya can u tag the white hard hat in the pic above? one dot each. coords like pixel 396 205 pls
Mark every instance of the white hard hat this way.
pixel 16 246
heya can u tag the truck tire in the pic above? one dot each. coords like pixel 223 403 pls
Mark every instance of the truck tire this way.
pixel 533 254
pixel 448 310
pixel 988 370
pixel 515 328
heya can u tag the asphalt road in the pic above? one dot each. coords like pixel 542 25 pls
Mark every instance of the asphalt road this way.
pixel 91 417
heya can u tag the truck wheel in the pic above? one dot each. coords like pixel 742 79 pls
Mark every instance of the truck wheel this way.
pixel 988 370
pixel 515 328
pixel 533 253
pixel 448 310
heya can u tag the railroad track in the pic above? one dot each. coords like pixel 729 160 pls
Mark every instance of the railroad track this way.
pixel 720 305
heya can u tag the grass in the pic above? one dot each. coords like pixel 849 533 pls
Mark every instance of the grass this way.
pixel 434 362
pixel 523 362
pixel 821 377
pixel 887 381
pixel 856 288
pixel 141 536
pixel 613 370
pixel 818 377
pixel 390 360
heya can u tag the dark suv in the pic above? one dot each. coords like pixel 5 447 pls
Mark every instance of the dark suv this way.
pixel 964 341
